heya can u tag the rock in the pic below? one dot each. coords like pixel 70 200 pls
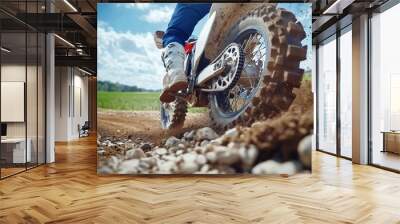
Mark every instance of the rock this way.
pixel 205 168
pixel 188 167
pixel 304 151
pixel 150 160
pixel 113 162
pixel 189 164
pixel 211 156
pixel 189 135
pixel 179 158
pixel 267 167
pixel 172 141
pixel 128 146
pixel 161 151
pixel 226 155
pixel 225 170
pixel 129 167
pixel 167 167
pixel 209 148
pixel 144 167
pixel 179 152
pixel 198 150
pixel 104 170
pixel 217 141
pixel 257 125
pixel 213 171
pixel 173 150
pixel 289 168
pixel 134 154
pixel 145 146
pixel 201 160
pixel 170 157
pixel 189 157
pixel 274 167
pixel 248 155
pixel 233 145
pixel 181 146
pixel 205 134
pixel 231 132
pixel 204 143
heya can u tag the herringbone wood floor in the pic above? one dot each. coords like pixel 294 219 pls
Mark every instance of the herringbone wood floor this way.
pixel 69 191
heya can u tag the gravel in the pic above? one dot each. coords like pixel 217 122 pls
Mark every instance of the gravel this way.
pixel 206 134
pixel 202 151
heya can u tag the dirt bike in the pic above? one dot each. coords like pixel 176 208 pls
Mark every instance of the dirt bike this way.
pixel 243 66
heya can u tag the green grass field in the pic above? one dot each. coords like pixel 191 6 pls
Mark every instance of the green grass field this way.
pixel 139 101
pixel 133 101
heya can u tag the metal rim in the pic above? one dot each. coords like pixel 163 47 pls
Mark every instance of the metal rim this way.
pixel 233 102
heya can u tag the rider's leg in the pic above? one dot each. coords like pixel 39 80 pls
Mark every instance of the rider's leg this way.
pixel 183 21
pixel 180 28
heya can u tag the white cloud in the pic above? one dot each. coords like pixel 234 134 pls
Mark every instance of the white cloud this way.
pixel 129 58
pixel 152 13
pixel 158 15
pixel 141 6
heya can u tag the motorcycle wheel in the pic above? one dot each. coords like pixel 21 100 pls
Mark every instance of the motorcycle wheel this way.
pixel 271 40
pixel 173 114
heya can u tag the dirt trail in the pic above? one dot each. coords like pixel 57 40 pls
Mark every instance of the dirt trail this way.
pixel 143 124
pixel 133 143
pixel 146 124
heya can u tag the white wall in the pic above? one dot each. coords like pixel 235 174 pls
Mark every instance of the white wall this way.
pixel 61 103
pixel 12 73
pixel 71 87
pixel 81 94
pixel 33 126
pixel 16 73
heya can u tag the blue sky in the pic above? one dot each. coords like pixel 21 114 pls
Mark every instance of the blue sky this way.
pixel 126 51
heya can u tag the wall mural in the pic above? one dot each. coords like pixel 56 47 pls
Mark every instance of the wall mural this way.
pixel 205 88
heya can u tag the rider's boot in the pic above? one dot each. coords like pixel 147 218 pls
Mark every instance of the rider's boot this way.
pixel 175 79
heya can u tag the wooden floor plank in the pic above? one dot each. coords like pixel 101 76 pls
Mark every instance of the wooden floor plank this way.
pixel 69 191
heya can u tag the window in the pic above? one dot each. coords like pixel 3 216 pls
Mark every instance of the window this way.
pixel 327 96
pixel 346 93
pixel 385 89
pixel 22 86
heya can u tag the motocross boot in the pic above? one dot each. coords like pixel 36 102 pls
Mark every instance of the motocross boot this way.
pixel 175 79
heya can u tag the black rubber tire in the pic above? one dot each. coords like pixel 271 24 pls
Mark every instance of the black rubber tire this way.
pixel 178 117
pixel 282 70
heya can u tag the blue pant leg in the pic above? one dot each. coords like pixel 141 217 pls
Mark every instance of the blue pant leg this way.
pixel 183 21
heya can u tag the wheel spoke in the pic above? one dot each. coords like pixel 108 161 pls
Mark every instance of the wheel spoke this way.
pixel 255 48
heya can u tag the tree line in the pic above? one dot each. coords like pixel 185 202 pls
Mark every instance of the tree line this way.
pixel 108 86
